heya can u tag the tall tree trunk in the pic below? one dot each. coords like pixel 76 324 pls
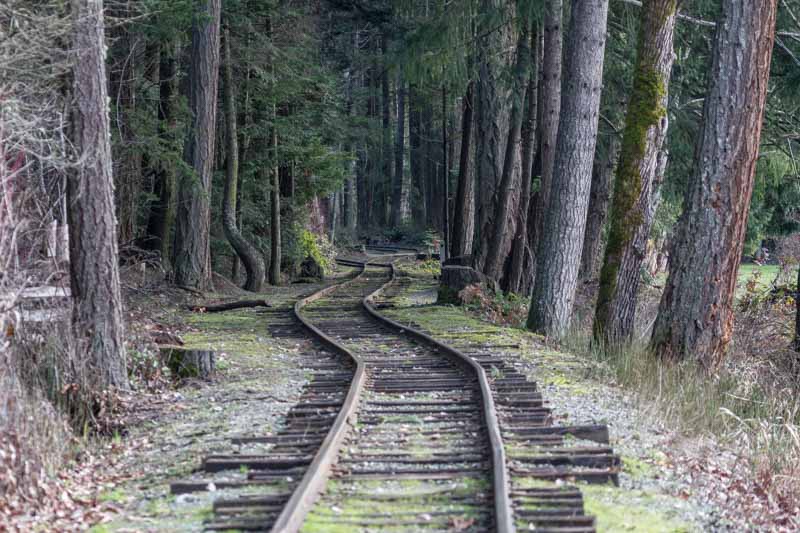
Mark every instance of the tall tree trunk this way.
pixel 94 274
pixel 599 198
pixel 275 216
pixel 695 317
pixel 430 158
pixel 519 248
pixel 399 155
pixel 386 118
pixel 193 220
pixel 250 257
pixel 504 226
pixel 371 153
pixel 549 111
pixel 126 154
pixel 350 201
pixel 491 122
pixel 162 211
pixel 445 179
pixel 636 182
pixel 416 160
pixel 464 208
pixel 561 241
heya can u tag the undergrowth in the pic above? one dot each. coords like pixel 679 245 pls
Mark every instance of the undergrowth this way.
pixel 751 404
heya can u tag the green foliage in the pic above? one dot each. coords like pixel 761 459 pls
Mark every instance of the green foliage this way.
pixel 317 247
pixel 775 201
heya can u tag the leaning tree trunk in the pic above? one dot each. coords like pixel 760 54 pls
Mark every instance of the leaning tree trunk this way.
pixel 695 317
pixel 464 208
pixel 599 198
pixel 519 248
pixel 636 181
pixel 251 258
pixel 94 274
pixel 399 155
pixel 162 211
pixel 549 110
pixel 561 241
pixel 503 228
pixel 193 220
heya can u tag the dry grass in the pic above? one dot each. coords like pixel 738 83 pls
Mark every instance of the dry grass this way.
pixel 751 405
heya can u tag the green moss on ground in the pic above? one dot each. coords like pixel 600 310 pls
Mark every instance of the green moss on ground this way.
pixel 616 509
pixel 632 510
pixel 197 419
pixel 343 502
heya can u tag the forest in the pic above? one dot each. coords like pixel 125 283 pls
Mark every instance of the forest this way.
pixel 400 265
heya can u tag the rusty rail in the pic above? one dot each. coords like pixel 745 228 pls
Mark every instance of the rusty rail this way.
pixel 305 495
pixel 504 516
pixel 293 514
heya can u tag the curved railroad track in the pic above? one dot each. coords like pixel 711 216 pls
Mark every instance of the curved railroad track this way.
pixel 395 431
pixel 424 415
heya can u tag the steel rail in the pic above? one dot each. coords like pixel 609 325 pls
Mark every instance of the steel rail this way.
pixel 308 490
pixel 305 495
pixel 504 516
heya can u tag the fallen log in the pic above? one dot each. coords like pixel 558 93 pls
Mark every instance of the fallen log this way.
pixel 229 306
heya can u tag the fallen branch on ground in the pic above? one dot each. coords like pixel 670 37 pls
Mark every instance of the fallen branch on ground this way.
pixel 241 304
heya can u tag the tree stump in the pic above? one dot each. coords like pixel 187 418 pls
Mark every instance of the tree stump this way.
pixel 454 279
pixel 310 268
pixel 185 363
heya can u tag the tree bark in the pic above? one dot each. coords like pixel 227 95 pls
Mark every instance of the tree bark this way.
pixel 162 211
pixel 504 226
pixel 549 110
pixel 491 123
pixel 193 220
pixel 464 208
pixel 636 181
pixel 519 248
pixel 250 257
pixel 386 156
pixel 599 198
pixel 94 274
pixel 561 241
pixel 445 179
pixel 399 155
pixel 275 208
pixel 127 156
pixel 416 160
pixel 695 317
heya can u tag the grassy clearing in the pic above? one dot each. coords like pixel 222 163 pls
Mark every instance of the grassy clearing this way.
pixel 763 276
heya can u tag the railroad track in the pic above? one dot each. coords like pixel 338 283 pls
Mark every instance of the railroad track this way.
pixel 426 450
pixel 540 451
pixel 270 468
pixel 395 430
